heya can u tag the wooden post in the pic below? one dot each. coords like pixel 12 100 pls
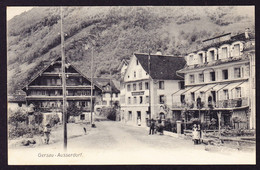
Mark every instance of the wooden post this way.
pixel 63 83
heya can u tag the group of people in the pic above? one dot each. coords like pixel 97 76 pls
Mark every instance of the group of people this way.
pixel 156 126
pixel 197 134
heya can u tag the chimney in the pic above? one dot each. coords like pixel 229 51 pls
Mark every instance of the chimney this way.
pixel 247 33
pixel 159 52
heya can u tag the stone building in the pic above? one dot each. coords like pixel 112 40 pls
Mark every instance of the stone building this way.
pixel 220 79
pixel 149 82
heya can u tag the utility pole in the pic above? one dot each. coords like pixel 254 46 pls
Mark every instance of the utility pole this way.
pixel 149 84
pixel 64 109
pixel 91 100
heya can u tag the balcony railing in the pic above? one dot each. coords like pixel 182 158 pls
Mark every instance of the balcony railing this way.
pixel 231 103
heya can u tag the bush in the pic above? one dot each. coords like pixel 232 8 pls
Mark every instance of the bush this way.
pixel 71 119
pixel 170 125
pixel 54 120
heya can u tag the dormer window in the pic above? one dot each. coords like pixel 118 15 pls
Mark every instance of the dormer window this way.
pixel 224 52
pixel 211 55
pixel 200 58
pixel 191 59
pixel 236 50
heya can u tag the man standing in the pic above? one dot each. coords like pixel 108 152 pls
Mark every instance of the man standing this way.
pixel 152 126
pixel 47 131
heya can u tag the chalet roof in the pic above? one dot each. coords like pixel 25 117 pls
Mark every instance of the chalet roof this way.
pixel 103 82
pixel 18 96
pixel 162 66
pixel 46 65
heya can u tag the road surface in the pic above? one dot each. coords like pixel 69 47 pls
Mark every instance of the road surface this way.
pixel 118 143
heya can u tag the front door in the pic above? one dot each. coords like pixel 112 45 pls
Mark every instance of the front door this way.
pixel 138 117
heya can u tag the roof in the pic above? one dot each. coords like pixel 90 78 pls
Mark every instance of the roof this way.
pixel 217 37
pixel 238 37
pixel 124 61
pixel 18 96
pixel 46 65
pixel 103 82
pixel 162 66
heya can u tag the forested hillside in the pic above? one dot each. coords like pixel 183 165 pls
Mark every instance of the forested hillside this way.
pixel 33 36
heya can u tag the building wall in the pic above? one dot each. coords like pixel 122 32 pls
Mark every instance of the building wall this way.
pixel 130 98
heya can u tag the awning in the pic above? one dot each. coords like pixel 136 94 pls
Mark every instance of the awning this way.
pixel 207 87
pixel 233 85
pixel 193 89
pixel 179 92
pixel 220 86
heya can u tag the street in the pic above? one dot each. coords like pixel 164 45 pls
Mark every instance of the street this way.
pixel 117 143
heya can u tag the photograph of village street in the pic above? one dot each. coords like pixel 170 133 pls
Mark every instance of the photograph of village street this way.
pixel 137 85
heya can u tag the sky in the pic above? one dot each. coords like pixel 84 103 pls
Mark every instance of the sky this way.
pixel 13 11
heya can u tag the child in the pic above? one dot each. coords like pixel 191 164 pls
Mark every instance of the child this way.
pixel 47 131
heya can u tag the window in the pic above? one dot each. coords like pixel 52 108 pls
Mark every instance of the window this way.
pixel 192 79
pixel 161 99
pixel 137 62
pixel 237 72
pixel 202 95
pixel 224 74
pixel 116 94
pixel 224 52
pixel 182 98
pixel 161 84
pixel 134 73
pixel 135 100
pixel 236 50
pixel 140 86
pixel 201 77
pixel 129 87
pixel 191 59
pixel 141 99
pixel 181 84
pixel 226 97
pixel 192 96
pixel 200 58
pixel 211 55
pixel 146 85
pixel 129 100
pixel 238 92
pixel 134 87
pixel 212 76
pixel 129 115
pixel 147 99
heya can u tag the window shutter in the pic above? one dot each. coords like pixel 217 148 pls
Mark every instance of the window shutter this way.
pixel 219 53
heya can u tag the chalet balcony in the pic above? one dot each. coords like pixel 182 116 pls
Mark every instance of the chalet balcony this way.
pixel 51 74
pixel 59 109
pixel 53 87
pixel 38 97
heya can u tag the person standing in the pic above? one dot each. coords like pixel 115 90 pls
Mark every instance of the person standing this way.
pixel 139 121
pixel 152 126
pixel 47 131
pixel 195 134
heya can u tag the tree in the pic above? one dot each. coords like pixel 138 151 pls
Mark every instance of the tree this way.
pixel 73 110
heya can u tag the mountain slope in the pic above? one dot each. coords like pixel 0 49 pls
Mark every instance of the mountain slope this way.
pixel 33 36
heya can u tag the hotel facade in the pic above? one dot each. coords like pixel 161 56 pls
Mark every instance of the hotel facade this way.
pixel 220 82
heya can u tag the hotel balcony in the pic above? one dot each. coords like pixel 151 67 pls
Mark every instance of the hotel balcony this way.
pixel 221 104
